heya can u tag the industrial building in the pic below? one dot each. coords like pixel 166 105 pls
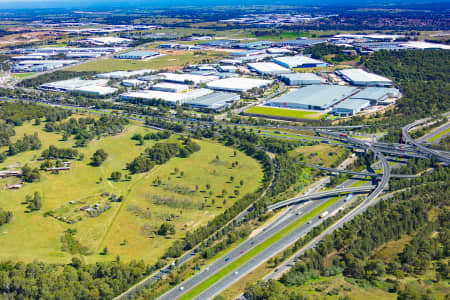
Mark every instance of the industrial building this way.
pixel 350 107
pixel 238 84
pixel 314 97
pixel 215 101
pixel 299 43
pixel 136 55
pixel 41 65
pixel 97 87
pixel 124 74
pixel 132 82
pixel 170 87
pixel 170 98
pixel 301 79
pixel 227 69
pixel 362 78
pixel 187 78
pixel 299 61
pixel 278 51
pixel 377 95
pixel 267 68
pixel 107 41
pixel 95 90
pixel 71 84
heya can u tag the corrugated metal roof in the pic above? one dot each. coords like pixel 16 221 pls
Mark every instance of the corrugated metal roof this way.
pixel 353 104
pixel 375 93
pixel 317 95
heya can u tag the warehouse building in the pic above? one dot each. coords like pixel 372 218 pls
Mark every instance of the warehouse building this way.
pixel 41 65
pixel 238 84
pixel 227 69
pixel 215 101
pixel 267 68
pixel 278 51
pixel 350 107
pixel 136 55
pixel 72 84
pixel 188 78
pixel 299 43
pixel 170 98
pixel 124 74
pixel 314 97
pixel 132 82
pixel 377 95
pixel 170 87
pixel 96 90
pixel 299 61
pixel 108 41
pixel 301 79
pixel 362 78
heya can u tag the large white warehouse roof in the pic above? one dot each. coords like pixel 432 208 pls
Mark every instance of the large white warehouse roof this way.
pixel 267 68
pixel 238 84
pixel 361 77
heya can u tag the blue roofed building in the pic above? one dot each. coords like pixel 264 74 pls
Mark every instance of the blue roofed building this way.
pixel 299 61
pixel 301 79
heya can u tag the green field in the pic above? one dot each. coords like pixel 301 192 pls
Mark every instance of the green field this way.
pixel 288 113
pixel 168 61
pixel 32 236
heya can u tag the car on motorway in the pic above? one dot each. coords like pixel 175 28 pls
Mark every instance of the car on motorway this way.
pixel 323 215
pixel 235 273
pixel 181 288
pixel 242 251
pixel 227 259
pixel 309 222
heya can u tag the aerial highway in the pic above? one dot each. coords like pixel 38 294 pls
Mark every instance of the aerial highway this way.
pixel 333 192
pixel 332 170
pixel 284 242
pixel 408 139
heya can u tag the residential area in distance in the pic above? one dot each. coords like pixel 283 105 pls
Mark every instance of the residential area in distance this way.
pixel 215 151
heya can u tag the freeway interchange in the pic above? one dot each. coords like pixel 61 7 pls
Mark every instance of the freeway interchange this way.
pixel 310 205
pixel 302 206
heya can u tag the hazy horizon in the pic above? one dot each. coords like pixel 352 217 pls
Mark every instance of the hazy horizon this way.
pixel 115 4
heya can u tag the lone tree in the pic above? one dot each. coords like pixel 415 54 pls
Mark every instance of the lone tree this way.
pixel 116 175
pixel 99 157
pixel 166 229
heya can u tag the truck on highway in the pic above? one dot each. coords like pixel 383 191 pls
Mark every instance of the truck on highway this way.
pixel 348 198
pixel 323 215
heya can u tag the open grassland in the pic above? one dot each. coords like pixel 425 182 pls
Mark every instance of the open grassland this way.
pixel 321 154
pixel 127 229
pixel 287 113
pixel 164 62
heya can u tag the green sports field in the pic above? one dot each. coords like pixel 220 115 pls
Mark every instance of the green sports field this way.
pixel 288 113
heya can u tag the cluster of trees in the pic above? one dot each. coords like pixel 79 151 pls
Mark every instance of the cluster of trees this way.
pixel 17 112
pixel 30 174
pixel 102 280
pixel 34 202
pixel 98 157
pixel 161 153
pixel 424 80
pixel 5 216
pixel 53 152
pixel 6 131
pixel 166 229
pixel 160 135
pixel 85 129
pixel 28 142
pixel 320 51
pixel 351 247
pixel 160 123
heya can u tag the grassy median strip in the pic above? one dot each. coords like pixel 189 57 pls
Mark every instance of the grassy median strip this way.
pixel 256 250
pixel 440 134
